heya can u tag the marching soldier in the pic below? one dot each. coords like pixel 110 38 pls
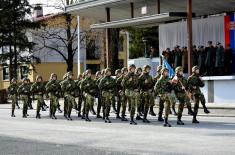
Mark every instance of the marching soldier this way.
pixel 121 94
pixel 181 86
pixel 65 99
pixel 79 93
pixel 146 89
pixel 107 86
pixel 54 90
pixel 24 92
pixel 140 105
pixel 32 98
pixel 12 91
pixel 98 77
pixel 89 88
pixel 131 84
pixel 195 82
pixel 164 88
pixel 68 88
pixel 118 74
pixel 37 90
pixel 161 101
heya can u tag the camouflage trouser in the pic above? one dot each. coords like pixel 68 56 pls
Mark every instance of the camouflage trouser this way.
pixel 182 101
pixel 168 100
pixel 40 101
pixel 107 101
pixel 54 101
pixel 13 102
pixel 65 106
pixel 123 100
pixel 198 98
pixel 161 107
pixel 70 102
pixel 148 100
pixel 133 99
pixel 89 102
pixel 25 100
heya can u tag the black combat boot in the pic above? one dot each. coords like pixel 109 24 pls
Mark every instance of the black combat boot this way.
pixel 173 110
pixel 179 121
pixel 93 111
pixel 59 110
pixel 123 118
pixel 43 109
pixel 132 122
pixel 38 116
pixel 53 116
pixel 87 118
pixel 160 119
pixel 166 124
pixel 79 114
pixel 195 119
pixel 107 120
pixel 118 117
pixel 205 109
pixel 17 104
pixel 69 117
pixel 12 114
pixel 138 117
pixel 190 111
pixel 145 120
pixel 151 112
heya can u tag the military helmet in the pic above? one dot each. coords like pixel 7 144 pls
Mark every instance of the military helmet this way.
pixel 159 68
pixel 132 66
pixel 138 69
pixel 25 79
pixel 178 69
pixel 107 70
pixel 69 73
pixel 13 80
pixel 38 77
pixel 163 70
pixel 195 68
pixel 118 71
pixel 88 71
pixel 147 67
pixel 65 76
pixel 98 73
pixel 124 69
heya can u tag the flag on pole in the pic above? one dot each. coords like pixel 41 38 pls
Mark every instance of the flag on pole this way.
pixel 168 66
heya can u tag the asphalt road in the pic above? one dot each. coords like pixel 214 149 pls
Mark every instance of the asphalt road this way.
pixel 19 136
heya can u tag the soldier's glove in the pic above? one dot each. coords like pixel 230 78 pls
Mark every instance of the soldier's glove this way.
pixel 130 79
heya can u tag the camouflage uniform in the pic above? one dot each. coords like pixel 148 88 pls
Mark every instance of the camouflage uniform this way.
pixel 164 87
pixel 131 85
pixel 79 94
pixel 180 87
pixel 161 101
pixel 146 89
pixel 37 90
pixel 195 82
pixel 12 92
pixel 30 100
pixel 107 86
pixel 68 87
pixel 89 88
pixel 121 94
pixel 118 74
pixel 99 96
pixel 65 99
pixel 54 90
pixel 24 92
pixel 140 105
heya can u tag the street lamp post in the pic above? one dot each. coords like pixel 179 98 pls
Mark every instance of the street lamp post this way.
pixel 145 47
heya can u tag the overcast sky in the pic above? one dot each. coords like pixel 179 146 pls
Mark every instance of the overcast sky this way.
pixel 47 10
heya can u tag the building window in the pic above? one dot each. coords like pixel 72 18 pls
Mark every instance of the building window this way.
pixel 121 63
pixel 5 73
pixel 92 51
pixel 24 71
pixel 93 67
pixel 121 44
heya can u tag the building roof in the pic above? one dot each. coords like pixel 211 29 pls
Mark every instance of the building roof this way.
pixel 120 9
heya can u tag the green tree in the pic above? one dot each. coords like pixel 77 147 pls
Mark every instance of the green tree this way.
pixel 137 47
pixel 16 46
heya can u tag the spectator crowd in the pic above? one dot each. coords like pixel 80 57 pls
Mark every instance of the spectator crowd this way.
pixel 212 60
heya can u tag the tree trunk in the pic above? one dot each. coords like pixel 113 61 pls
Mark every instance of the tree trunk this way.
pixel 70 43
pixel 114 49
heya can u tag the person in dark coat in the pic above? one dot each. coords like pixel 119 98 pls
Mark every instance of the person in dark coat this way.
pixel 178 56
pixel 219 59
pixel 195 56
pixel 210 59
pixel 201 59
pixel 185 59
pixel 228 60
